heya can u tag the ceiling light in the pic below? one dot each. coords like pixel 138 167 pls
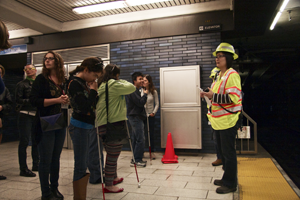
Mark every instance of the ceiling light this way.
pixel 279 14
pixel 141 2
pixel 112 5
pixel 100 7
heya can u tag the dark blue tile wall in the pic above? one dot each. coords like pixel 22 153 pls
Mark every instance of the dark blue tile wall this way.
pixel 148 55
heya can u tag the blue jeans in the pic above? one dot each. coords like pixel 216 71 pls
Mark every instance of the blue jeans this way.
pixel 50 148
pixel 226 144
pixel 26 122
pixel 137 137
pixel 86 153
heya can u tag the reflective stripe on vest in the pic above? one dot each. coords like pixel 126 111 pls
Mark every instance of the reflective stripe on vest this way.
pixel 224 81
pixel 218 111
pixel 222 112
pixel 234 91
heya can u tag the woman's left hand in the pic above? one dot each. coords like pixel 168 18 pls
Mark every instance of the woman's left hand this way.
pixel 151 115
pixel 208 94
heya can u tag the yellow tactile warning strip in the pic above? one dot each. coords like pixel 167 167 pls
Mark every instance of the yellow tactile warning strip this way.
pixel 259 179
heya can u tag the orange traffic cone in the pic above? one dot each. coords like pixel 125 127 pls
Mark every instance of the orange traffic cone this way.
pixel 169 156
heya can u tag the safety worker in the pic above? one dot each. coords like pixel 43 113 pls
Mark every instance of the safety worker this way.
pixel 215 72
pixel 226 97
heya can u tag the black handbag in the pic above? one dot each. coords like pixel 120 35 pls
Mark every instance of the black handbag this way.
pixel 116 133
pixel 52 122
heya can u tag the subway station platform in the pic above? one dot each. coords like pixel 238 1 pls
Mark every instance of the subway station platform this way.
pixel 189 179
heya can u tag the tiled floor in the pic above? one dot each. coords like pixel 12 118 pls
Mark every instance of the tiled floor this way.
pixel 190 179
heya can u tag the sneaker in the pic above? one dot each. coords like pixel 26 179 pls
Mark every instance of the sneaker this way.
pixel 131 162
pixel 224 190
pixel 2 177
pixel 27 173
pixel 138 164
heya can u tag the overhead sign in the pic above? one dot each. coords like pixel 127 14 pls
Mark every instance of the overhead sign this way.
pixel 210 27
pixel 15 49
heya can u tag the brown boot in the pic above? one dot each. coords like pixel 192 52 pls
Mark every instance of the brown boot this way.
pixel 79 188
pixel 217 162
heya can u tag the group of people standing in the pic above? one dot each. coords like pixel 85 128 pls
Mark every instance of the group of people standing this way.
pixel 47 95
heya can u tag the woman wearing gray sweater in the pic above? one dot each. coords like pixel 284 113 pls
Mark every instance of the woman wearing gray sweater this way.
pixel 151 107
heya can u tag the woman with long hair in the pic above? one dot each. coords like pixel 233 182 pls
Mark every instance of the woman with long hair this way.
pixel 82 124
pixel 5 106
pixel 48 95
pixel 117 89
pixel 4 44
pixel 224 114
pixel 151 107
pixel 4 36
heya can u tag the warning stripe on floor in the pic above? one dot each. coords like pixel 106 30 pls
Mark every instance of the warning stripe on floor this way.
pixel 259 179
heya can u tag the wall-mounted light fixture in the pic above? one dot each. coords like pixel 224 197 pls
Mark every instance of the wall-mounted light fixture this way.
pixel 279 14
pixel 112 5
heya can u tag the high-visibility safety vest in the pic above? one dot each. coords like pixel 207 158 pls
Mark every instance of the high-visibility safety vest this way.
pixel 229 83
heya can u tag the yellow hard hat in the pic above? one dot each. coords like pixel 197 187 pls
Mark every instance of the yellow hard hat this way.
pixel 213 72
pixel 226 47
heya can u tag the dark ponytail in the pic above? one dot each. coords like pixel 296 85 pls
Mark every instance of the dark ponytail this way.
pixel 79 68
pixel 93 64
pixel 110 72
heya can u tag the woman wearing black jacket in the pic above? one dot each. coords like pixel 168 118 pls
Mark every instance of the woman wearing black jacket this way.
pixel 5 106
pixel 48 95
pixel 82 124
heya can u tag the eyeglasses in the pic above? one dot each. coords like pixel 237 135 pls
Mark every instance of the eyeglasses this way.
pixel 50 58
pixel 220 56
pixel 27 69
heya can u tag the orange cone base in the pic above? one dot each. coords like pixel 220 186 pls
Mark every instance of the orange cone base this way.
pixel 167 160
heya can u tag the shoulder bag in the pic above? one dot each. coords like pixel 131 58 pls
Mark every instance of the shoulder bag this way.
pixel 116 133
pixel 53 122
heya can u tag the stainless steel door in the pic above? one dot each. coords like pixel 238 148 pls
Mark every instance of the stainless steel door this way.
pixel 185 126
pixel 178 86
pixel 180 106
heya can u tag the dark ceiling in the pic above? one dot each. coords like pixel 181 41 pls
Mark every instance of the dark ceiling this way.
pixel 263 53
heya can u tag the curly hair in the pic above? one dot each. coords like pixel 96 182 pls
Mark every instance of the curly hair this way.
pixel 4 36
pixel 59 67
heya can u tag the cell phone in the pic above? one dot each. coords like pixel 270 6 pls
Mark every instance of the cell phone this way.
pixel 206 90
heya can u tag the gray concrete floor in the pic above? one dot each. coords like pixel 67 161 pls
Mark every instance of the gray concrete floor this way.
pixel 190 179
